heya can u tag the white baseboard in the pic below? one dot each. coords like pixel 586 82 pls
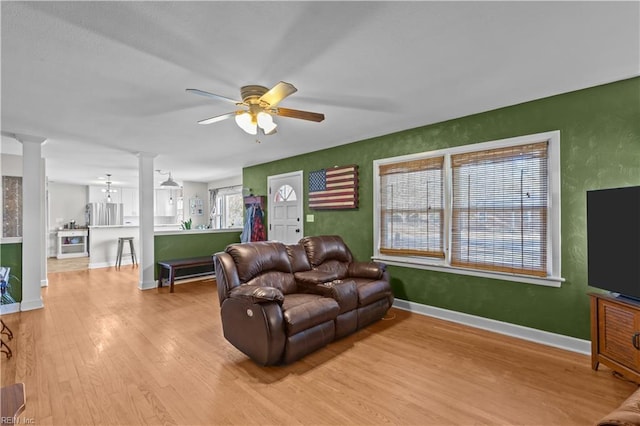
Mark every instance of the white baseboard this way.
pixel 30 305
pixel 10 308
pixel 180 280
pixel 108 264
pixel 568 343
pixel 148 285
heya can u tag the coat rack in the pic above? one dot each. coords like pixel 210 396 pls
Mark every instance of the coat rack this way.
pixel 254 221
pixel 252 200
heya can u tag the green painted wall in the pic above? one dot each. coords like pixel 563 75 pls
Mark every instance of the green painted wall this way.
pixel 600 148
pixel 177 246
pixel 11 256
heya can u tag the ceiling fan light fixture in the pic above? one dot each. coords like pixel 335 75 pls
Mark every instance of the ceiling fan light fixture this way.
pixel 261 107
pixel 247 123
pixel 265 121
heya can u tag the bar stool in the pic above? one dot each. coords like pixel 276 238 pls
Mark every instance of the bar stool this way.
pixel 121 241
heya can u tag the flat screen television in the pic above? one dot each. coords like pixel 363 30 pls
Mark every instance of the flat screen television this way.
pixel 613 240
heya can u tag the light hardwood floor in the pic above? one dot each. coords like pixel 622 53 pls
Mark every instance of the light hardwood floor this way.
pixel 104 352
pixel 65 265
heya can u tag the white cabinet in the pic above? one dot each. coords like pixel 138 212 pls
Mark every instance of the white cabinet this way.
pixel 166 200
pixel 72 243
pixel 130 202
pixel 95 194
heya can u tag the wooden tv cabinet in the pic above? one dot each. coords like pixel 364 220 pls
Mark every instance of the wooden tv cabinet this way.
pixel 615 335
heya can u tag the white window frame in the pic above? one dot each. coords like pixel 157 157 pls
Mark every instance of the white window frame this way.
pixel 221 206
pixel 554 276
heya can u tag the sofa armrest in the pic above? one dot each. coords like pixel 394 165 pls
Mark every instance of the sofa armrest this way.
pixel 371 270
pixel 257 294
pixel 315 276
pixel 256 329
pixel 344 292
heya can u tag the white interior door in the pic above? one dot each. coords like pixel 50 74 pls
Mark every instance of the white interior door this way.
pixel 285 207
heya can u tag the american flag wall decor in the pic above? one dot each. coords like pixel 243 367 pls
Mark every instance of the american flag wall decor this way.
pixel 334 188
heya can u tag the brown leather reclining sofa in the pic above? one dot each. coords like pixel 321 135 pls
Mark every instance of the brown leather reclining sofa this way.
pixel 280 302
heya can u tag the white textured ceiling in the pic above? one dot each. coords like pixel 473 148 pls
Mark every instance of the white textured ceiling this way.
pixel 105 80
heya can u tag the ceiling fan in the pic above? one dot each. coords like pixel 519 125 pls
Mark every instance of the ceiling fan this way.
pixel 261 105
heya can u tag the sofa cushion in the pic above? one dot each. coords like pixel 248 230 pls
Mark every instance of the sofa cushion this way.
pixel 298 258
pixel 253 259
pixel 302 311
pixel 323 248
pixel 335 268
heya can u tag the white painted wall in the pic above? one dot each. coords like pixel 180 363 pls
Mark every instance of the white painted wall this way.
pixel 223 183
pixel 11 165
pixel 192 190
pixel 67 202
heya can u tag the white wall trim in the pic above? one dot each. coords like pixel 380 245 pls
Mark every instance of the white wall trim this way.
pixel 526 333
pixel 44 283
pixel 553 276
pixel 110 263
pixel 11 240
pixel 10 308
pixel 30 305
pixel 97 265
pixel 147 285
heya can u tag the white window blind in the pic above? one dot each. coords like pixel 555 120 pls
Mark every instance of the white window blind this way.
pixel 412 208
pixel 499 212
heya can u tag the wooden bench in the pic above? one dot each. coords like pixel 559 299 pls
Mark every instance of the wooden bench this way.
pixel 174 265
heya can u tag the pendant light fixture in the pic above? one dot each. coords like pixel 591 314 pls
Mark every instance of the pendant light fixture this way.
pixel 169 183
pixel 108 190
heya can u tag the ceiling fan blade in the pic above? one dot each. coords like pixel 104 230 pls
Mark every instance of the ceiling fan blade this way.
pixel 217 118
pixel 304 115
pixel 214 96
pixel 277 93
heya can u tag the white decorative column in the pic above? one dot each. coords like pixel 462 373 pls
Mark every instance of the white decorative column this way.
pixel 44 235
pixel 32 223
pixel 146 261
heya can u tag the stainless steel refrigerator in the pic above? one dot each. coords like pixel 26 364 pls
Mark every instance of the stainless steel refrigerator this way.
pixel 105 214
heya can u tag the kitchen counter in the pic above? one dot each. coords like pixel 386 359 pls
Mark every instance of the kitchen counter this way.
pixel 103 244
pixel 112 226
pixel 103 240
pixel 195 231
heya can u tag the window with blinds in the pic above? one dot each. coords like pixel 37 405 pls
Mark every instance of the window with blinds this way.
pixel 490 209
pixel 499 214
pixel 412 208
